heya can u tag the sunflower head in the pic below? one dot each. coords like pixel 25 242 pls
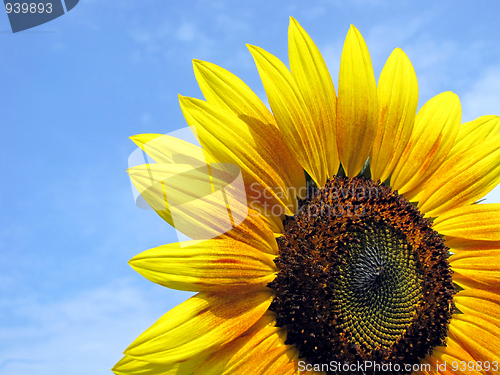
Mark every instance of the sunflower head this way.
pixel 363 277
pixel 360 241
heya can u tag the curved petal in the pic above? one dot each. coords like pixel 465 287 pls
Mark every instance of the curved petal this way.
pixel 289 109
pixel 447 360
pixel 284 364
pixel 216 265
pixel 479 222
pixel 163 148
pixel 434 132
pixel 259 365
pixel 255 231
pixel 474 132
pixel 315 84
pixel 227 91
pixel 229 140
pixel 479 337
pixel 462 179
pixel 397 94
pixel 167 150
pixel 480 303
pixel 457 244
pixel 202 323
pixel 250 347
pixel 469 135
pixel 130 366
pixel 202 202
pixel 476 269
pixel 356 104
pixel 287 369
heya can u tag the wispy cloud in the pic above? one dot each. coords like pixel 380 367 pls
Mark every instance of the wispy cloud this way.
pixel 91 328
pixel 483 98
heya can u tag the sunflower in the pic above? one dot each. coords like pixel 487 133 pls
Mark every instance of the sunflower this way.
pixel 361 247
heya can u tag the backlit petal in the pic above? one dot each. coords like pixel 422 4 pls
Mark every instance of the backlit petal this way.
pixel 434 132
pixel 474 132
pixel 227 91
pixel 230 140
pixel 397 93
pixel 201 202
pixel 258 365
pixel 476 269
pixel 480 303
pixel 233 357
pixel 294 120
pixel 163 148
pixel 446 360
pixel 356 104
pixel 478 337
pixel 315 84
pixel 216 265
pixel 474 222
pixel 463 179
pixel 130 366
pixel 203 322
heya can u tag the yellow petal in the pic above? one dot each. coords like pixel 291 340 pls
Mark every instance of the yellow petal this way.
pixel 315 84
pixel 469 135
pixel 477 269
pixel 255 231
pixel 163 148
pixel 216 265
pixel 201 202
pixel 283 364
pixel 298 128
pixel 356 104
pixel 463 179
pixel 130 366
pixel 473 132
pixel 457 244
pixel 230 359
pixel 222 88
pixel 181 175
pixel 448 360
pixel 475 222
pixel 397 93
pixel 279 369
pixel 230 140
pixel 203 322
pixel 257 365
pixel 228 92
pixel 481 303
pixel 478 337
pixel 436 126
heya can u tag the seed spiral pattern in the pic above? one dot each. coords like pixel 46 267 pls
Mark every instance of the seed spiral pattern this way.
pixel 380 286
pixel 362 277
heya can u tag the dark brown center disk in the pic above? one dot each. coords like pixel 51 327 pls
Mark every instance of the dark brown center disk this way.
pixel 362 278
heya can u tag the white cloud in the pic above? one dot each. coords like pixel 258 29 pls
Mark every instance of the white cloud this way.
pixel 186 32
pixel 231 24
pixel 483 98
pixel 85 334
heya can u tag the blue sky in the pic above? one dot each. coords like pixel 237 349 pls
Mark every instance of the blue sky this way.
pixel 74 90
